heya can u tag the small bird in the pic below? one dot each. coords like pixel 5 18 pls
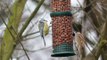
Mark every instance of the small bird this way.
pixel 80 44
pixel 43 29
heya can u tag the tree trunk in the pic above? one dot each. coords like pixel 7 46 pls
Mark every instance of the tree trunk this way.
pixel 9 38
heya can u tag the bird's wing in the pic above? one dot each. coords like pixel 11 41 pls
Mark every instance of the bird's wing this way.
pixel 46 28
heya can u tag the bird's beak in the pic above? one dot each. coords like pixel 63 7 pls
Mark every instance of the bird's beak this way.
pixel 46 20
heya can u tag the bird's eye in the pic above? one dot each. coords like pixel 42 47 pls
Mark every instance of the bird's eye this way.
pixel 73 34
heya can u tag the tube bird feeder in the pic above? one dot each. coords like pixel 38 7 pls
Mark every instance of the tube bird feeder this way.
pixel 62 33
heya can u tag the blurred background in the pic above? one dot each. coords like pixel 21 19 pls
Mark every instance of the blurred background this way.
pixel 32 40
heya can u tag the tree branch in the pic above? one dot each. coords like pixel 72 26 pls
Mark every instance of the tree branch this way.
pixel 30 18
pixel 9 43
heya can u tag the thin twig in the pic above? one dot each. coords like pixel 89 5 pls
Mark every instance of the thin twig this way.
pixel 83 37
pixel 32 33
pixel 30 18
pixel 19 40
pixel 35 50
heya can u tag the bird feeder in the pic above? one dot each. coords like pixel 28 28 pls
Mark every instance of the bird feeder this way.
pixel 62 28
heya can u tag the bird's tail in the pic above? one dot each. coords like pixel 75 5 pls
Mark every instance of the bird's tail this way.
pixel 44 41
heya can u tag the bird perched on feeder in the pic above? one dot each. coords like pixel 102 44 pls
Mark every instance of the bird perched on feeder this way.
pixel 80 44
pixel 43 29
